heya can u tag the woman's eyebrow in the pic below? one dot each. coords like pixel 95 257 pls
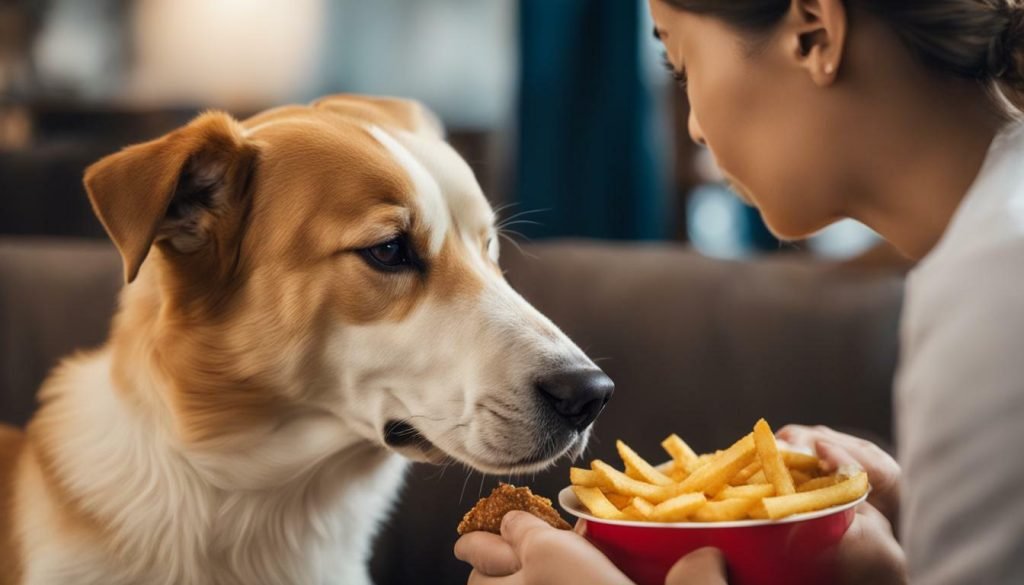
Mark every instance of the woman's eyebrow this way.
pixel 657 33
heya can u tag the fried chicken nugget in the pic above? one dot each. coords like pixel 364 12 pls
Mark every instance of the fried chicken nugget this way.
pixel 486 515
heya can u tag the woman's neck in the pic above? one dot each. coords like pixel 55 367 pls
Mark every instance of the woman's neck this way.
pixel 923 159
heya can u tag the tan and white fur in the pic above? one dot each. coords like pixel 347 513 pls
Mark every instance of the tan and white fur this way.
pixel 243 424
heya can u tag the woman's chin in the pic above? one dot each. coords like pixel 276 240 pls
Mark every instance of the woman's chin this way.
pixel 740 191
pixel 746 199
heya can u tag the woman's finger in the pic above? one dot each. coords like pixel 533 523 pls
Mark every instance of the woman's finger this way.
pixel 869 554
pixel 701 567
pixel 516 528
pixel 478 578
pixel 836 449
pixel 832 456
pixel 797 436
pixel 488 553
pixel 872 515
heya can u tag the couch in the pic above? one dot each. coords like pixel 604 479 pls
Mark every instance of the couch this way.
pixel 697 346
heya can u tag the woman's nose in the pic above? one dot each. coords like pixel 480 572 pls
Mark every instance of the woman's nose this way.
pixel 696 133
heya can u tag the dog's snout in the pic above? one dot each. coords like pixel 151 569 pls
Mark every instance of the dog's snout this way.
pixel 578 396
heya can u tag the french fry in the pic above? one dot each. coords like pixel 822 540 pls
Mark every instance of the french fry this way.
pixel 642 506
pixel 801 461
pixel 597 503
pixel 716 474
pixel 725 510
pixel 618 500
pixel 818 483
pixel 585 477
pixel 703 460
pixel 645 470
pixel 743 477
pixel 632 472
pixel 840 493
pixel 799 477
pixel 757 491
pixel 680 452
pixel 774 467
pixel 631 513
pixel 678 475
pixel 628 486
pixel 672 470
pixel 678 508
pixel 753 479
pixel 758 512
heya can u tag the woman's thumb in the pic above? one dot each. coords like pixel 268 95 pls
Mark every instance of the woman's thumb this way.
pixel 705 566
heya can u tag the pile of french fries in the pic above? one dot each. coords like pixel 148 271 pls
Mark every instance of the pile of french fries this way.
pixel 752 479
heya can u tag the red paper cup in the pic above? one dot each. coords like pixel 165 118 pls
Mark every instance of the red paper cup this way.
pixel 798 550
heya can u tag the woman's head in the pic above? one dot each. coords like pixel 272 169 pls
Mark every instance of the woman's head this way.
pixel 788 93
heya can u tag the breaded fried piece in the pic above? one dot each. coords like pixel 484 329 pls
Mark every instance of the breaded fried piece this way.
pixel 486 515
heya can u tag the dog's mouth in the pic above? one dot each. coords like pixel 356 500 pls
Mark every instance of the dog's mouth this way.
pixel 410 442
pixel 399 434
pixel 407 440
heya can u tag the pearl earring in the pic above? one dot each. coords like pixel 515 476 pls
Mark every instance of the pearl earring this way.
pixel 829 69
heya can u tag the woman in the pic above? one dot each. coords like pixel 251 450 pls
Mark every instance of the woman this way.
pixel 898 113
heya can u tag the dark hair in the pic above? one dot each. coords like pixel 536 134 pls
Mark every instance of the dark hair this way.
pixel 978 39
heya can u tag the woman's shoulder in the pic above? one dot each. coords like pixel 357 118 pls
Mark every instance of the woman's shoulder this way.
pixel 972 296
pixel 976 272
pixel 990 220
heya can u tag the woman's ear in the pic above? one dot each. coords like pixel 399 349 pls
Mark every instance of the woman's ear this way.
pixel 816 32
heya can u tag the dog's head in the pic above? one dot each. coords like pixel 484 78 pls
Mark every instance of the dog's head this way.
pixel 338 259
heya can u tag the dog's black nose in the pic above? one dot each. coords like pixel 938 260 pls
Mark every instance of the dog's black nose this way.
pixel 578 396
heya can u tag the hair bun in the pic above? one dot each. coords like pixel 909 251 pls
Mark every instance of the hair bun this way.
pixel 1006 53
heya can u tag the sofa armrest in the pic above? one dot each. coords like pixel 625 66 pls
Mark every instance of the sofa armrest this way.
pixel 56 296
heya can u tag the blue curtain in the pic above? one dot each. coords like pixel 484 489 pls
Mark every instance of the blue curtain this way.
pixel 586 145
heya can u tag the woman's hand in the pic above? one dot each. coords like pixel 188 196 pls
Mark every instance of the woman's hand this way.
pixel 869 553
pixel 836 450
pixel 530 552
pixel 701 567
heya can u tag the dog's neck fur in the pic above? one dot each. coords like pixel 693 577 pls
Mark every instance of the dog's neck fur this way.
pixel 295 499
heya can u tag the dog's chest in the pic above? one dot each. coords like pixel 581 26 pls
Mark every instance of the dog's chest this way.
pixel 317 532
pixel 320 534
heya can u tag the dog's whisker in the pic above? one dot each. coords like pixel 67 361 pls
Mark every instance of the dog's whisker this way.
pixel 526 212
pixel 448 461
pixel 469 473
pixel 505 206
pixel 507 224
pixel 519 235
pixel 516 244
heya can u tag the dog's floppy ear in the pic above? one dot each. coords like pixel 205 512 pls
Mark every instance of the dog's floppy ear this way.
pixel 171 188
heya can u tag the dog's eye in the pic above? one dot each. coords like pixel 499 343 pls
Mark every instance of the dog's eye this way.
pixel 391 255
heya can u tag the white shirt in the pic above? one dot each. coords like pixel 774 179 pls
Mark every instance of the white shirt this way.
pixel 960 388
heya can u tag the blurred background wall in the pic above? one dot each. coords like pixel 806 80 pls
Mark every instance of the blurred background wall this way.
pixel 561 106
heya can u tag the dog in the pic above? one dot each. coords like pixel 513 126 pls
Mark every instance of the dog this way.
pixel 312 300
